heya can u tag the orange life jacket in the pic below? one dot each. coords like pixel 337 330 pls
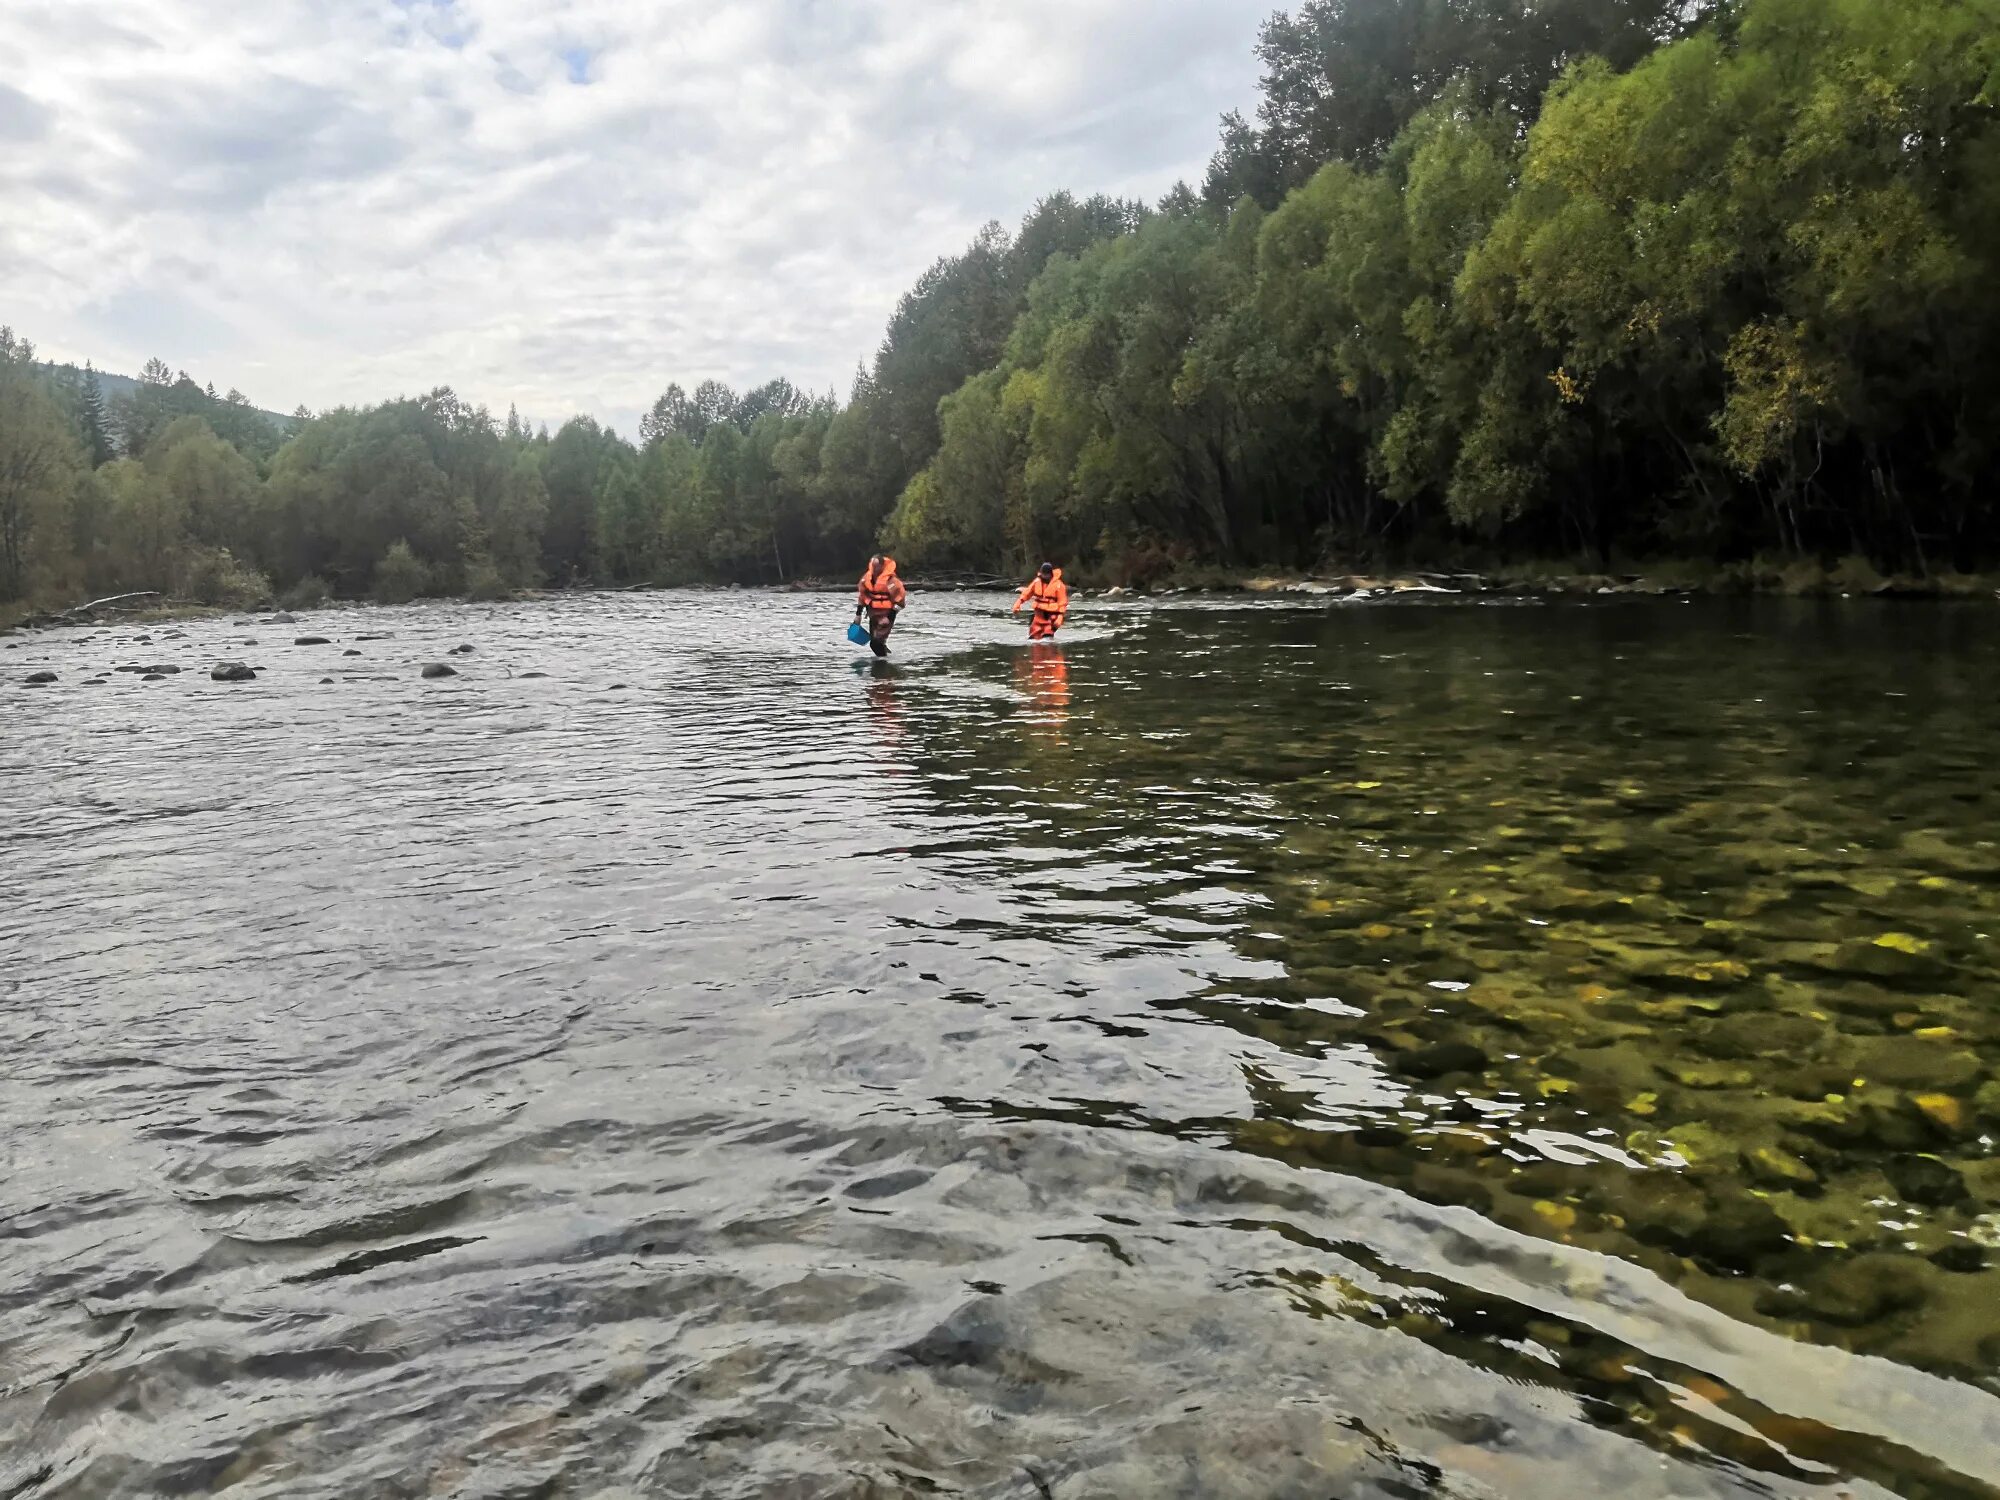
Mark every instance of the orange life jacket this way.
pixel 1051 598
pixel 882 590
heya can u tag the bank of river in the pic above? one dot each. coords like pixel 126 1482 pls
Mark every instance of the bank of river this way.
pixel 1452 1046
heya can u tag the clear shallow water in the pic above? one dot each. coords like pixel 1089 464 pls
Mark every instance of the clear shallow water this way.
pixel 1368 1051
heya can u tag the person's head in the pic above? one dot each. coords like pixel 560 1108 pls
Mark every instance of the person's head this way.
pixel 1046 571
pixel 875 563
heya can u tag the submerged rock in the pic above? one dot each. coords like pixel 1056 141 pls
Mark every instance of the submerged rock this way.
pixel 154 677
pixel 312 640
pixel 1773 1166
pixel 439 669
pixel 459 650
pixel 1439 1059
pixel 350 651
pixel 534 674
pixel 39 679
pixel 1926 1181
pixel 233 671
pixel 326 682
pixel 1916 1062
pixel 1859 1290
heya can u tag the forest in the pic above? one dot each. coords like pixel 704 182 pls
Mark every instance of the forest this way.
pixel 1610 281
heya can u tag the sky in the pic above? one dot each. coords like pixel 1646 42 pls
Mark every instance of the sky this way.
pixel 562 204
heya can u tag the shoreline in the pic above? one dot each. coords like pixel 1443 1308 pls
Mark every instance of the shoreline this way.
pixel 1731 582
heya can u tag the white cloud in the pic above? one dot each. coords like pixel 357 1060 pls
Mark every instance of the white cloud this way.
pixel 340 203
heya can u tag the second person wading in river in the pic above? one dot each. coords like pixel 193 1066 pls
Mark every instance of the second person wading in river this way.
pixel 881 596
pixel 1048 597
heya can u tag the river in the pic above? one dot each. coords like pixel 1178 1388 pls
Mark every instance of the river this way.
pixel 1455 1047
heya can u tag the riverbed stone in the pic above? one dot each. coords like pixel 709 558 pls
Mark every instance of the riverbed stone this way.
pixel 439 669
pixel 1773 1166
pixel 311 640
pixel 350 651
pixel 1858 1290
pixel 1926 1181
pixel 1439 1059
pixel 154 677
pixel 460 650
pixel 1927 1064
pixel 233 671
pixel 39 679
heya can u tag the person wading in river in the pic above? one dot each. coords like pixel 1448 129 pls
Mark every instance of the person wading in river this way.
pixel 1048 596
pixel 881 597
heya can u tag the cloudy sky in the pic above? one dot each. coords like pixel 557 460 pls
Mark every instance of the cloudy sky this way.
pixel 560 203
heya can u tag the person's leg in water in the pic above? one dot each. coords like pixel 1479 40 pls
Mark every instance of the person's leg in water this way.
pixel 880 623
pixel 1042 627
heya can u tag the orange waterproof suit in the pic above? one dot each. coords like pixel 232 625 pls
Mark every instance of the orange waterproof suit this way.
pixel 1050 602
pixel 880 596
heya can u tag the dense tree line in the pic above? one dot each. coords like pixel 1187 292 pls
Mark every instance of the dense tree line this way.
pixel 1540 277
pixel 1736 297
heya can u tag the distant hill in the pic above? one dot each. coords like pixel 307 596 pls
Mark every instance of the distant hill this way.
pixel 117 387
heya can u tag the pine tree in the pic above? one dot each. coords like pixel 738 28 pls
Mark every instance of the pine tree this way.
pixel 96 424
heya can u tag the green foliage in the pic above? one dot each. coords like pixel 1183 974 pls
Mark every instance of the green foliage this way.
pixel 41 464
pixel 210 575
pixel 400 576
pixel 310 592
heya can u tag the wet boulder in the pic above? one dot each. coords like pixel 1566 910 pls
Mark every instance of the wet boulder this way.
pixel 459 650
pixel 311 640
pixel 350 651
pixel 280 619
pixel 534 674
pixel 164 669
pixel 439 669
pixel 154 677
pixel 233 671
pixel 39 679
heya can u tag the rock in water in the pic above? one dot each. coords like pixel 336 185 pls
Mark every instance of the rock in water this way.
pixel 326 682
pixel 154 677
pixel 312 640
pixel 160 671
pixel 350 651
pixel 36 679
pixel 439 669
pixel 459 650
pixel 526 675
pixel 280 619
pixel 233 671
pixel 1925 1180
pixel 1439 1059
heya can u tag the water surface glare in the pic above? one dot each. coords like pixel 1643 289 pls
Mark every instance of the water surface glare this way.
pixel 1465 1049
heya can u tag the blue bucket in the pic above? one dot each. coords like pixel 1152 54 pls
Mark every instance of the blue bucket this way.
pixel 858 633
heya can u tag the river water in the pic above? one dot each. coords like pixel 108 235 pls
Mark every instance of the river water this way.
pixel 1453 1048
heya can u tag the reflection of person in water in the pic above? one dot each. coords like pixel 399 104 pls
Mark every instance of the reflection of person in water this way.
pixel 884 710
pixel 1043 678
